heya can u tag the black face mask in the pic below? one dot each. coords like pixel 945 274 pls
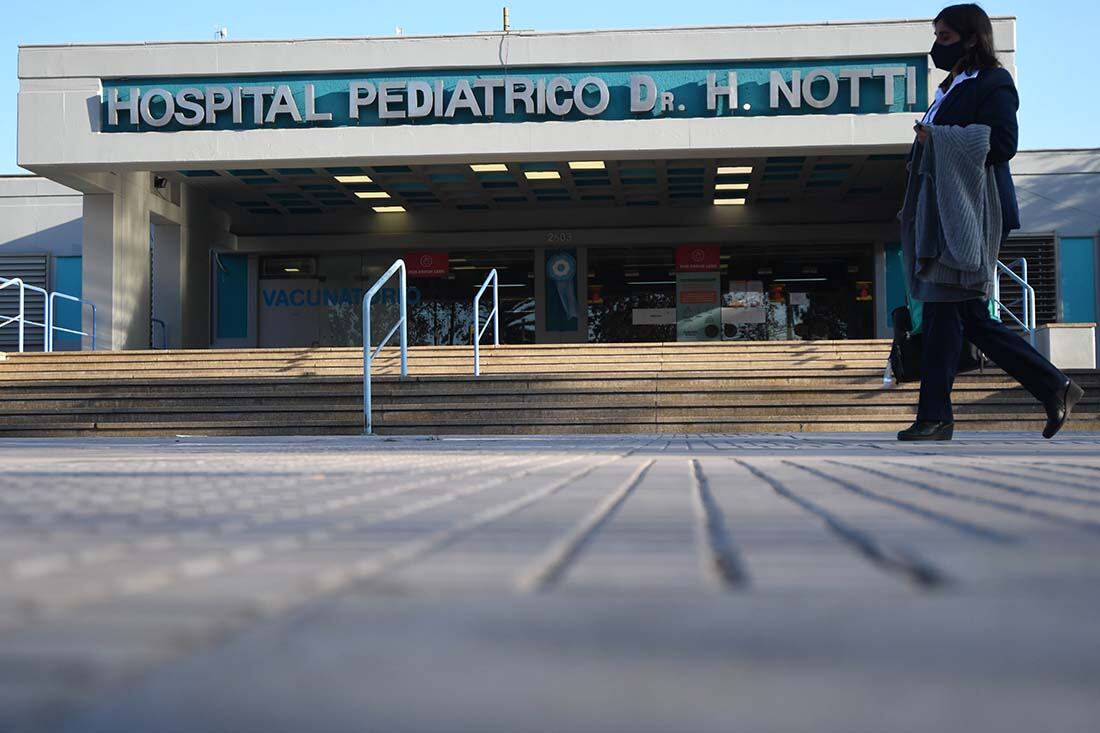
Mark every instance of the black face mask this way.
pixel 945 57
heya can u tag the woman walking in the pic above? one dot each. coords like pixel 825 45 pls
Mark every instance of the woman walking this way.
pixel 960 205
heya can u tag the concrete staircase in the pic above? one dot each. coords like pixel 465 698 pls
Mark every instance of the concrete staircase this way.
pixel 597 388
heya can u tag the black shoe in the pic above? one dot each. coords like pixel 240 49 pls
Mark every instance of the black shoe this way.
pixel 928 430
pixel 1060 406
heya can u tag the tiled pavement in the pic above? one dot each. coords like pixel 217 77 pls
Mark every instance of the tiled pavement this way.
pixel 621 583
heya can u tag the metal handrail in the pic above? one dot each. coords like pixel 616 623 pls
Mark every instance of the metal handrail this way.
pixel 494 315
pixel 8 282
pixel 368 354
pixel 1027 299
pixel 52 312
pixel 163 331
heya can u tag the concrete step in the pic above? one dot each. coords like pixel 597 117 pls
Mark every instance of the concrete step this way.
pixel 734 387
pixel 512 399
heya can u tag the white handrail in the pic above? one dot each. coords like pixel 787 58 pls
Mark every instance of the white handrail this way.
pixel 368 354
pixel 1027 300
pixel 15 281
pixel 51 313
pixel 494 316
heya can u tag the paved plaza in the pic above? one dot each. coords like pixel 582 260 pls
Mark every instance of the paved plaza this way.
pixel 664 583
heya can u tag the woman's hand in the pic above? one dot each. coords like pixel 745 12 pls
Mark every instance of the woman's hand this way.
pixel 922 133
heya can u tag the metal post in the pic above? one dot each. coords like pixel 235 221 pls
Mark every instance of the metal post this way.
pixel 22 314
pixel 496 308
pixel 477 338
pixel 404 323
pixel 366 364
pixel 93 324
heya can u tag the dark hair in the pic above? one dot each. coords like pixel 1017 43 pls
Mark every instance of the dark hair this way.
pixel 972 24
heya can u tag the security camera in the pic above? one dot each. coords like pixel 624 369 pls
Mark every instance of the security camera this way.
pixel 160 182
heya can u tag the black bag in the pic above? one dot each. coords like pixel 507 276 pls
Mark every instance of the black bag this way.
pixel 905 352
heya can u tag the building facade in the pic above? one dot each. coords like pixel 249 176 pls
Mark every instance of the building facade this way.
pixel 657 185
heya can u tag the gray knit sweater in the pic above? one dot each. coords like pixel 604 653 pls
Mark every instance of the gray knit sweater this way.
pixel 951 219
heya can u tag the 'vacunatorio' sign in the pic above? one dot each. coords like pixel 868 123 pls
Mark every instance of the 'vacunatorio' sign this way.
pixel 858 87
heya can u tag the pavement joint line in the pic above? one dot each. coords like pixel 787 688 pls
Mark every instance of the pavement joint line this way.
pixel 311 537
pixel 722 563
pixel 1051 475
pixel 981 500
pixel 962 525
pixel 376 566
pixel 549 568
pixel 1008 488
pixel 154 579
pixel 917 571
pixel 1061 469
pixel 167 540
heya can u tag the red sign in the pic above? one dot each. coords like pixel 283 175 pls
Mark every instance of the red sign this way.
pixel 698 297
pixel 427 264
pixel 694 258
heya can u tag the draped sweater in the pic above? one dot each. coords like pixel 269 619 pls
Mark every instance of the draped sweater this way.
pixel 951 223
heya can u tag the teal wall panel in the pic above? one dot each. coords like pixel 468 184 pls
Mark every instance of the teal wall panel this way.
pixel 232 277
pixel 1077 279
pixel 68 279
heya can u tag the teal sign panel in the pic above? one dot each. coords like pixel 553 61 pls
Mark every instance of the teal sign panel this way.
pixel 663 91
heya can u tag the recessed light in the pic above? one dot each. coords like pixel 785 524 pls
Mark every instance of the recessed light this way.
pixel 542 175
pixel 729 202
pixel 731 170
pixel 587 165
pixel 354 179
pixel 488 167
pixel 731 187
pixel 292 269
pixel 389 209
pixel 372 194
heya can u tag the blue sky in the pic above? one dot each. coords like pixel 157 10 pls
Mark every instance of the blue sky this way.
pixel 1056 39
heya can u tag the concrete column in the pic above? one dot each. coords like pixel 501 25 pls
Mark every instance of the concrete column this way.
pixel 204 228
pixel 116 262
pixel 168 281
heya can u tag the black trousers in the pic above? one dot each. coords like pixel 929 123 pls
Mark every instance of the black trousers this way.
pixel 945 326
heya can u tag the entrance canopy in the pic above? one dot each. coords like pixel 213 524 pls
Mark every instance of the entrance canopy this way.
pixel 520 142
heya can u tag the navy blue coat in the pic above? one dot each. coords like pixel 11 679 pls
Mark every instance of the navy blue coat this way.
pixel 990 99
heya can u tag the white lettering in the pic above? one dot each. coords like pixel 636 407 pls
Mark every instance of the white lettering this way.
pixel 488 88
pixel 463 98
pixel 793 94
pixel 361 94
pixel 715 90
pixel 854 76
pixel 257 94
pixel 387 95
pixel 668 101
pixel 129 106
pixel 312 115
pixel 640 102
pixel 217 100
pixel 437 103
pixel 420 99
pixel 283 104
pixel 808 86
pixel 911 84
pixel 553 103
pixel 540 97
pixel 524 93
pixel 888 73
pixel 184 102
pixel 169 107
pixel 578 96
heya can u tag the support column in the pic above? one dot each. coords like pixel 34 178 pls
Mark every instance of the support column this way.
pixel 168 280
pixel 116 263
pixel 204 229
